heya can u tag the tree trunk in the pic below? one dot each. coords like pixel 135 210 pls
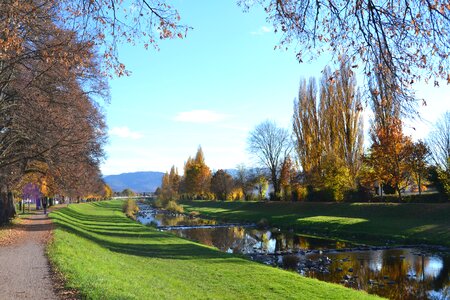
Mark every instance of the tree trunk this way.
pixel 399 193
pixel 420 185
pixel 12 207
pixel 7 209
pixel 276 186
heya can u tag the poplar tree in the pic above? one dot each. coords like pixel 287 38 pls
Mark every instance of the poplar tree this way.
pixel 328 130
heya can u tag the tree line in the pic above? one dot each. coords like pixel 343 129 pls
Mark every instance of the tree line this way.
pixel 199 182
pixel 55 58
pixel 323 157
pixel 327 144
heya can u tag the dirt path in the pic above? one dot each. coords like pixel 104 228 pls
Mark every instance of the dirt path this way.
pixel 24 268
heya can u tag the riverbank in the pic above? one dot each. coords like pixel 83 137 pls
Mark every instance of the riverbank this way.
pixel 371 223
pixel 105 255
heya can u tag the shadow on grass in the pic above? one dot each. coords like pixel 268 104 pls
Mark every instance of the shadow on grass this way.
pixel 122 235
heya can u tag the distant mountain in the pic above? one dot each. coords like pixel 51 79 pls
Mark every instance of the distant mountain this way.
pixel 137 181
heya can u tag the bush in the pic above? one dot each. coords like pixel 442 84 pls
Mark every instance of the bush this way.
pixel 130 208
pixel 388 189
pixel 159 203
pixel 299 193
pixel 424 198
pixel 174 207
pixel 361 194
pixel 319 195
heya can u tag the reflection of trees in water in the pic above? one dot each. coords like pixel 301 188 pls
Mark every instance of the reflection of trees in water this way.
pixel 382 267
pixel 443 277
pixel 303 243
pixel 388 271
pixel 223 238
pixel 182 220
pixel 340 245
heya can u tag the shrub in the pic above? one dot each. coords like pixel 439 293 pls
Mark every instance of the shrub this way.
pixel 130 208
pixel 361 194
pixel 424 198
pixel 174 207
pixel 159 203
pixel 319 195
pixel 299 193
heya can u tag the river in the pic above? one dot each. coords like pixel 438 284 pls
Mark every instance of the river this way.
pixel 407 272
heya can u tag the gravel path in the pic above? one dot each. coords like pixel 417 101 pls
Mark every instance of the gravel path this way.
pixel 24 268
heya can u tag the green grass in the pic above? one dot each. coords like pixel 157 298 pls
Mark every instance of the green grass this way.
pixel 105 255
pixel 372 223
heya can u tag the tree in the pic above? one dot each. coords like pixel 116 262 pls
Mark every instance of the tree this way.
pixel 243 181
pixel 197 176
pixel 108 191
pixel 391 149
pixel 439 143
pixel 128 193
pixel 307 129
pixel 170 185
pixel 288 179
pixel 417 162
pixel 104 22
pixel 389 155
pixel 270 144
pixel 404 38
pixel 328 131
pixel 260 182
pixel 222 184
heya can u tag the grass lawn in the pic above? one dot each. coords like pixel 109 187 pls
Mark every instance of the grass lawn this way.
pixel 372 223
pixel 105 255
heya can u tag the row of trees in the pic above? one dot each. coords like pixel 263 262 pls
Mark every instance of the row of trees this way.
pixel 328 144
pixel 51 129
pixel 198 182
pixel 54 59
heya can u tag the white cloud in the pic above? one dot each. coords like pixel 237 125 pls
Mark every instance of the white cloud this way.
pixel 125 132
pixel 200 116
pixel 262 30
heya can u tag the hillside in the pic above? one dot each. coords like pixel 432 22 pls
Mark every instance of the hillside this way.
pixel 137 181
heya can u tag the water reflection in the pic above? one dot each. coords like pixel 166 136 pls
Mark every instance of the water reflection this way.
pixel 148 215
pixel 393 273
pixel 250 240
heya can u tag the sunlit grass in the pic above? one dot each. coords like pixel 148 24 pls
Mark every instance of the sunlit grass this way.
pixel 373 223
pixel 105 255
pixel 331 220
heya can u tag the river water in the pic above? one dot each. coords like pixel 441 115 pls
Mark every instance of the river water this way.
pixel 395 273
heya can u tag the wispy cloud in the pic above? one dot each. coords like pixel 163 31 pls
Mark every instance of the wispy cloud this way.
pixel 200 116
pixel 262 30
pixel 125 132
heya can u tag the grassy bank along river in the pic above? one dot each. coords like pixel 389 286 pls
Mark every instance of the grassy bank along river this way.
pixel 105 255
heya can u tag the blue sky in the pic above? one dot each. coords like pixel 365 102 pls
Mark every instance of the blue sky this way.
pixel 211 89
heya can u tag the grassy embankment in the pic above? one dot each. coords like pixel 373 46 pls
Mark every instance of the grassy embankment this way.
pixel 372 223
pixel 105 255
